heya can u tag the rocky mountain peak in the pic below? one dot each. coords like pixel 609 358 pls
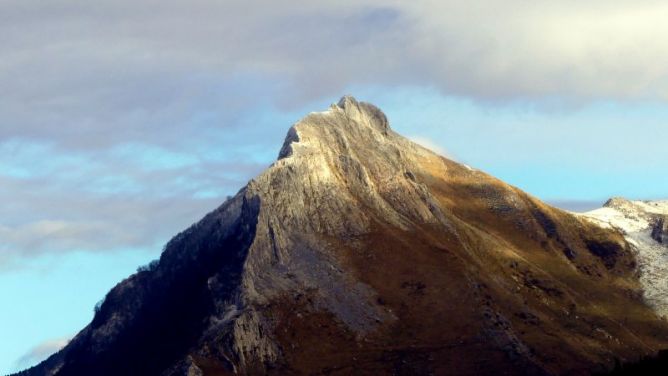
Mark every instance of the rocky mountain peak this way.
pixel 346 255
pixel 646 210
pixel 618 203
pixel 346 101
pixel 347 124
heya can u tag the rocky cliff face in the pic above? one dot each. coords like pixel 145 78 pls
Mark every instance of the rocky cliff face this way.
pixel 645 226
pixel 361 252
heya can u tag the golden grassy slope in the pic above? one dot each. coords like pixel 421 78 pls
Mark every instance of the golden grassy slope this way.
pixel 517 287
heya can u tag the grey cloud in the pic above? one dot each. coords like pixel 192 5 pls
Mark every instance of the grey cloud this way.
pixel 88 73
pixel 195 77
pixel 135 66
pixel 119 70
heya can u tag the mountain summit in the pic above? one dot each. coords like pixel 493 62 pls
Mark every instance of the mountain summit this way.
pixel 360 252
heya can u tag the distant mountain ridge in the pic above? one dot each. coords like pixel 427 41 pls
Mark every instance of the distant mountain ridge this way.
pixel 361 252
pixel 645 226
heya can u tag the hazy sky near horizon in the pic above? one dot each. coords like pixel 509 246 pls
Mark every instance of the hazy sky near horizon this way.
pixel 123 122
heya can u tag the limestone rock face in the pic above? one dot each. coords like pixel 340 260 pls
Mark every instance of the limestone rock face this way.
pixel 360 252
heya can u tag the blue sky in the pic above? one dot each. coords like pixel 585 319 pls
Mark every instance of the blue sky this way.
pixel 123 122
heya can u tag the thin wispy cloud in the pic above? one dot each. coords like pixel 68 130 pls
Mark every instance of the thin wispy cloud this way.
pixel 130 195
pixel 40 352
pixel 431 145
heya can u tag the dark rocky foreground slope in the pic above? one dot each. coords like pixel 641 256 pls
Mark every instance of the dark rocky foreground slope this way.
pixel 359 252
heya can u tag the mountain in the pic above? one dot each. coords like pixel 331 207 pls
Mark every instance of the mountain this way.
pixel 644 224
pixel 360 252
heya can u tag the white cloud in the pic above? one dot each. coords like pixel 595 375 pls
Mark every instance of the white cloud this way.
pixel 431 145
pixel 517 49
pixel 40 352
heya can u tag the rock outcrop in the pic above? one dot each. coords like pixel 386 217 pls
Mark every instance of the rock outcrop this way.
pixel 660 229
pixel 360 252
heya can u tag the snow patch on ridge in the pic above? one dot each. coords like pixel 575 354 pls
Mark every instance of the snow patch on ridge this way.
pixel 637 221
